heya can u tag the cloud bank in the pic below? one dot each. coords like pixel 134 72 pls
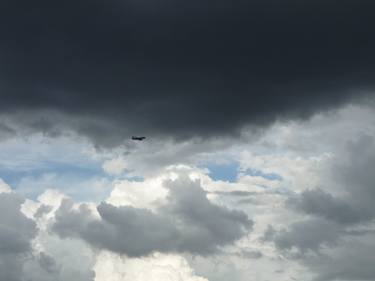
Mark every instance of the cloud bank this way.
pixel 110 69
pixel 189 222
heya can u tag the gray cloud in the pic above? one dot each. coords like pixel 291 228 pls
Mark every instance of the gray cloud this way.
pixel 43 267
pixel 42 210
pixel 352 170
pixel 304 236
pixel 115 68
pixel 16 234
pixel 16 230
pixel 354 262
pixel 319 203
pixel 189 222
pixel 355 172
pixel 339 229
pixel 236 193
pixel 47 263
pixel 19 260
pixel 248 254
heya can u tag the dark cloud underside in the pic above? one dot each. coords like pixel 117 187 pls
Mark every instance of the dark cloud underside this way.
pixel 183 67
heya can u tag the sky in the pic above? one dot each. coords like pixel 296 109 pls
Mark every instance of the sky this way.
pixel 258 162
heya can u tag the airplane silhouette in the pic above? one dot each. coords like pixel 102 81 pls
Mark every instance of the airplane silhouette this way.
pixel 138 138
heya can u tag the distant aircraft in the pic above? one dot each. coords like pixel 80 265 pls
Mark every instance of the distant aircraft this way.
pixel 138 138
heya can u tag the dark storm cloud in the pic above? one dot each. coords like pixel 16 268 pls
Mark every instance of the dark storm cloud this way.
pixel 180 68
pixel 187 223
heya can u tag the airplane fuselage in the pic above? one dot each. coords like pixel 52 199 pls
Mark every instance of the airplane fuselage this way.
pixel 138 138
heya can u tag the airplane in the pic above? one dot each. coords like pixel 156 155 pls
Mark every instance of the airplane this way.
pixel 138 138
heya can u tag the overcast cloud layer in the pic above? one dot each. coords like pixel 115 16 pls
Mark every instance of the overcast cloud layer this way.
pixel 180 68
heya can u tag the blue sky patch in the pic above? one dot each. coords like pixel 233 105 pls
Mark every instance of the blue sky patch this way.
pixel 14 176
pixel 224 172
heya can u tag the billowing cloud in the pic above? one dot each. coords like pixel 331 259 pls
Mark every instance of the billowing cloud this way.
pixel 312 181
pixel 188 222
